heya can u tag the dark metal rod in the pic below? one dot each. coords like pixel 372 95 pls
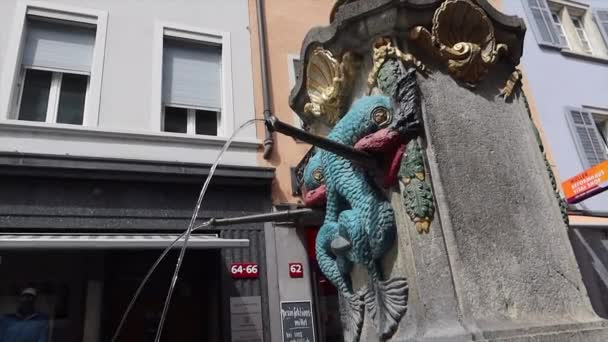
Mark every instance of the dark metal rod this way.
pixel 284 215
pixel 348 152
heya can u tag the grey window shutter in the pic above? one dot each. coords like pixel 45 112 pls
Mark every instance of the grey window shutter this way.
pixel 589 143
pixel 59 46
pixel 601 18
pixel 192 74
pixel 539 15
pixel 297 67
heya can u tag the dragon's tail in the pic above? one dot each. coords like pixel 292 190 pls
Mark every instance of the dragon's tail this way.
pixel 351 315
pixel 386 302
pixel 336 269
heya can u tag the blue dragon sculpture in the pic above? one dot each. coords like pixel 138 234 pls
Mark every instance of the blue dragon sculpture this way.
pixel 333 263
pixel 359 225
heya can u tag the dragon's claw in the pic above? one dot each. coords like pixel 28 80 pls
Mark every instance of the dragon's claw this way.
pixel 340 245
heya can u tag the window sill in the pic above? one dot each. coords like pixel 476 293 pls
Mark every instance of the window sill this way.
pixel 77 141
pixel 551 46
pixel 584 56
pixel 75 130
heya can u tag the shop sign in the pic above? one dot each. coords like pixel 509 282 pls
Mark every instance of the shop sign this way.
pixel 587 183
pixel 296 270
pixel 297 322
pixel 246 319
pixel 240 270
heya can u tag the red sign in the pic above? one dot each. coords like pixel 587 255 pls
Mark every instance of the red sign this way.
pixel 296 270
pixel 240 270
pixel 311 237
pixel 586 184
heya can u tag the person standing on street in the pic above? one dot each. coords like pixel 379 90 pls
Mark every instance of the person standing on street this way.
pixel 26 325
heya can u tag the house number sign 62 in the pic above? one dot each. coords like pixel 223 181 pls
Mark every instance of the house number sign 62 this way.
pixel 296 270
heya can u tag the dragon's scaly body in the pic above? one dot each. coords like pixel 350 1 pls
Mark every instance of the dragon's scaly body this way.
pixel 359 224
pixel 352 199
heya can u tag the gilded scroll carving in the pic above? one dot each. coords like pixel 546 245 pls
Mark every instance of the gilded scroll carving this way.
pixel 512 83
pixel 384 50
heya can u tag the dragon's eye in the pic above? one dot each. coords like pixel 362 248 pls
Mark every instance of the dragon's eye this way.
pixel 317 175
pixel 381 116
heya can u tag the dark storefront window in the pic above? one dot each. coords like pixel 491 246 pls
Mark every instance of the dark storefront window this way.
pixel 327 303
pixel 195 306
pixel 60 296
pixel 42 297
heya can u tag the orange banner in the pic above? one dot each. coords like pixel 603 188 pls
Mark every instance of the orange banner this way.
pixel 587 183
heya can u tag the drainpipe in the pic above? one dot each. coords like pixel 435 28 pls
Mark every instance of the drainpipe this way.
pixel 268 138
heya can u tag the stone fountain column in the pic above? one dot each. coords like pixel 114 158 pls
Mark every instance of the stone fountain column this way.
pixel 490 260
pixel 496 264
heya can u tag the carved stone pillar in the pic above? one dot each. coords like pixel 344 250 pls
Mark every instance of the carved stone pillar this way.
pixel 480 251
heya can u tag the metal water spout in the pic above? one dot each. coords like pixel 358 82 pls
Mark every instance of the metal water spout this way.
pixel 291 216
pixel 348 152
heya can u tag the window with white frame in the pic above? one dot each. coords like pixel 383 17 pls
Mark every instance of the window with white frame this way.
pixel 582 34
pixel 589 128
pixel 55 70
pixel 555 15
pixel 191 87
pixel 571 26
pixel 600 118
pixel 293 67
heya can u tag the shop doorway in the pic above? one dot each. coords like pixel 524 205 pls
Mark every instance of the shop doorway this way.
pixel 194 314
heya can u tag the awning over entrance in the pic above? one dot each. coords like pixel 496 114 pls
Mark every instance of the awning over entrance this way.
pixel 98 241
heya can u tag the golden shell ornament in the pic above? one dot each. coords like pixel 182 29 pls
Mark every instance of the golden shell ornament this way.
pixel 327 84
pixel 463 36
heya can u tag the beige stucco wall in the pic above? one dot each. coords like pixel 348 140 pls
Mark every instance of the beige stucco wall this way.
pixel 287 23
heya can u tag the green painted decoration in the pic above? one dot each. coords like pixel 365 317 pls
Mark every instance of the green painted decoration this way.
pixel 416 192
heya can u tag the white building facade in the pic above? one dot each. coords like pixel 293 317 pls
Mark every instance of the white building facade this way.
pixel 78 76
pixel 565 65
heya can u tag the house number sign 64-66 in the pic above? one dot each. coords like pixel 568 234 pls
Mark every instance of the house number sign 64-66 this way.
pixel 244 270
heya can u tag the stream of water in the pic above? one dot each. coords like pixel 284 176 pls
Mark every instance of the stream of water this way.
pixel 186 236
